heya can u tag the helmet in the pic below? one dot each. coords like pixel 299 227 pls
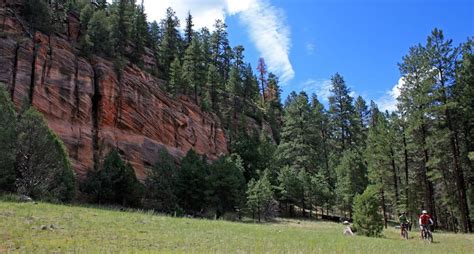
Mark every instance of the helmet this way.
pixel 424 211
pixel 403 213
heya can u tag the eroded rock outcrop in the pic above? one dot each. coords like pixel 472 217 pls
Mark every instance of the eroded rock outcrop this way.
pixel 93 107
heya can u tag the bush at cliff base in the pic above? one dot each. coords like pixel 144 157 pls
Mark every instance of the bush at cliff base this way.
pixel 367 218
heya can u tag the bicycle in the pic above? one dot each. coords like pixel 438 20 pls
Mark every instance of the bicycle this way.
pixel 427 235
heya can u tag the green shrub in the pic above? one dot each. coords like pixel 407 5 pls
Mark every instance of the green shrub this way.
pixel 42 165
pixel 191 184
pixel 160 184
pixel 367 218
pixel 227 184
pixel 115 183
pixel 39 16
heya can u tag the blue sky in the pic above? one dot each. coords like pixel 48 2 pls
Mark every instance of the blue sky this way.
pixel 305 42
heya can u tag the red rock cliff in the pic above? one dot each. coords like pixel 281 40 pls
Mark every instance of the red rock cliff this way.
pixel 94 108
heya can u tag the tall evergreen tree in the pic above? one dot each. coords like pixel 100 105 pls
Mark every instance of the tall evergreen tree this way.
pixel 341 112
pixel 193 73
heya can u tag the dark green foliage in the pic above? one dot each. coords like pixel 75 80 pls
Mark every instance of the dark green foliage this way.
pixel 7 142
pixel 227 184
pixel 170 43
pixel 43 167
pixel 341 111
pixel 295 149
pixel 140 35
pixel 176 82
pixel 188 31
pixel 193 73
pixel 260 198
pixel 351 178
pixel 122 23
pixel 191 184
pixel 98 37
pixel 115 183
pixel 39 16
pixel 367 219
pixel 160 184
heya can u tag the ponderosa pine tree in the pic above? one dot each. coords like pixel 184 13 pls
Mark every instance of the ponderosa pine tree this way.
pixel 351 179
pixel 414 103
pixel 341 112
pixel 170 44
pixel 442 58
pixel 193 70
pixel 294 149
pixel 188 31
pixel 176 84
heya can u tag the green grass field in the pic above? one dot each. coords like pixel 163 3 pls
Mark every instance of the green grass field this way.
pixel 94 230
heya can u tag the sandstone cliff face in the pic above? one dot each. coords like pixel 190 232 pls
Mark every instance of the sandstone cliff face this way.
pixel 93 107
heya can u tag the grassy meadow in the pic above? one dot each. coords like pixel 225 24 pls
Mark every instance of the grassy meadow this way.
pixel 48 228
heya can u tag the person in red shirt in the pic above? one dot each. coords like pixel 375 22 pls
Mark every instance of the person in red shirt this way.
pixel 424 221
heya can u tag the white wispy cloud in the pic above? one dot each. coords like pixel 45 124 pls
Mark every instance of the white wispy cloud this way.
pixel 310 47
pixel 321 87
pixel 388 101
pixel 266 25
pixel 271 36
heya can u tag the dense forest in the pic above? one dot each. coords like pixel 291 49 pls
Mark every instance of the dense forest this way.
pixel 312 161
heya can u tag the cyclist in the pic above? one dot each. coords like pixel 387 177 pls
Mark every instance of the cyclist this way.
pixel 404 222
pixel 424 221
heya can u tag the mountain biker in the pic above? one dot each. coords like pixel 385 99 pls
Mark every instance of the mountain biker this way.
pixel 404 222
pixel 424 221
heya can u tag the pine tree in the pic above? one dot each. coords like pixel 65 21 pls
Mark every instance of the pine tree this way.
pixel 170 43
pixel 341 112
pixel 193 74
pixel 260 198
pixel 160 183
pixel 191 184
pixel 367 219
pixel 188 31
pixel 39 15
pixel 262 78
pixel 122 21
pixel 140 35
pixel 176 83
pixel 227 184
pixel 294 149
pixel 98 34
pixel 415 102
pixel 442 56
pixel 351 179
pixel 115 183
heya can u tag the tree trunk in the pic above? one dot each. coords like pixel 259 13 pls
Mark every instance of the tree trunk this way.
pixel 384 208
pixel 429 192
pixel 395 178
pixel 405 158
